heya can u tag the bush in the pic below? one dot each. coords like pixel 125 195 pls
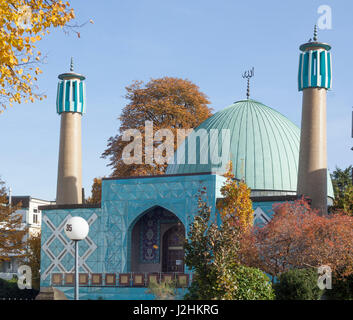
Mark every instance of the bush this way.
pixel 162 291
pixel 9 290
pixel 245 283
pixel 342 289
pixel 239 283
pixel 298 284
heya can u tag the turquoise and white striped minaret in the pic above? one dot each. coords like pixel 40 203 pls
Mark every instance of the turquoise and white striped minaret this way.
pixel 314 79
pixel 71 92
pixel 70 105
pixel 315 65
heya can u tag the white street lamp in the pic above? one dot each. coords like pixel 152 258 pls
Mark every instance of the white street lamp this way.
pixel 76 229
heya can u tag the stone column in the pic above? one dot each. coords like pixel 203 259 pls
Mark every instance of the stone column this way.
pixel 69 185
pixel 312 175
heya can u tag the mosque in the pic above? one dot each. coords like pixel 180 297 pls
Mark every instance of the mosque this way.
pixel 136 234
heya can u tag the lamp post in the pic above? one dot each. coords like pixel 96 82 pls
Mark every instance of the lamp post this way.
pixel 76 229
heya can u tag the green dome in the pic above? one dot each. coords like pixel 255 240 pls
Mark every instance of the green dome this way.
pixel 264 148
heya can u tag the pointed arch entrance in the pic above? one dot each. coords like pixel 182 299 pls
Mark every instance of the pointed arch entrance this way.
pixel 157 239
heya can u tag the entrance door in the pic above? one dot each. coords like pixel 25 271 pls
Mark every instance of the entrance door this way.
pixel 173 249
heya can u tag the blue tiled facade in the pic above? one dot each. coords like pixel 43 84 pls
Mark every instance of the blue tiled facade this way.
pixel 107 249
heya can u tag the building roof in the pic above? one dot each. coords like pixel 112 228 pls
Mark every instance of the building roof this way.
pixel 264 147
pixel 25 200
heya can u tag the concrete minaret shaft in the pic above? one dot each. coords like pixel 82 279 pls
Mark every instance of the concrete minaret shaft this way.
pixel 314 80
pixel 70 105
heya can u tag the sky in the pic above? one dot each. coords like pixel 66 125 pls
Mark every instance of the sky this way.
pixel 208 42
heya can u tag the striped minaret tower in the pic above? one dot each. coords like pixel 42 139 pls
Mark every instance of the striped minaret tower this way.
pixel 314 79
pixel 70 104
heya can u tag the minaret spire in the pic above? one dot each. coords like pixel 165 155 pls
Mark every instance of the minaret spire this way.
pixel 315 33
pixel 72 64
pixel 248 75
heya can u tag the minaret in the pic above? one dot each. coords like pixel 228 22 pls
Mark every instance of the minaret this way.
pixel 70 104
pixel 314 79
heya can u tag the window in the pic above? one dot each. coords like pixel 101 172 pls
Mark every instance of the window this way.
pixel 35 218
pixel 35 210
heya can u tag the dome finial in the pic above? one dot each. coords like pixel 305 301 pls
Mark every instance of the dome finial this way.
pixel 72 64
pixel 315 33
pixel 247 75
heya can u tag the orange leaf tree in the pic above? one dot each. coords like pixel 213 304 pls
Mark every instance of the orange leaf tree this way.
pixel 96 195
pixel 33 258
pixel 298 237
pixel 171 103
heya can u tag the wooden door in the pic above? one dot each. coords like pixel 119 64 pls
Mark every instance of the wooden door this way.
pixel 173 249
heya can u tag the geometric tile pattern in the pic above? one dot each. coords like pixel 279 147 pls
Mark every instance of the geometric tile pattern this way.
pixel 263 212
pixel 260 217
pixel 60 251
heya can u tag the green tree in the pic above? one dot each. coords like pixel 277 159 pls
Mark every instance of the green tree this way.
pixel 298 284
pixel 212 254
pixel 343 189
pixel 200 250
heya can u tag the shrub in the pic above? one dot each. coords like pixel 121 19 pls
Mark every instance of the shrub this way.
pixel 162 291
pixel 239 283
pixel 298 284
pixel 245 283
pixel 342 288
pixel 9 290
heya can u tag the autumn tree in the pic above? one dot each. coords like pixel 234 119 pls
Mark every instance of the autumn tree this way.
pixel 96 192
pixel 343 190
pixel 33 258
pixel 298 237
pixel 23 23
pixel 236 205
pixel 170 103
pixel 12 232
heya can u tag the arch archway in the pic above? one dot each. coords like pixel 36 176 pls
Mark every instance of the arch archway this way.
pixel 147 252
